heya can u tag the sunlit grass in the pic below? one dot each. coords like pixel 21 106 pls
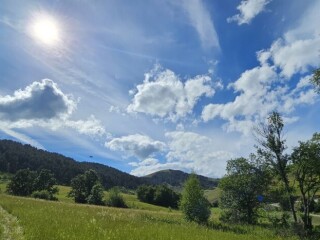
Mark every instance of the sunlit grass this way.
pixel 62 220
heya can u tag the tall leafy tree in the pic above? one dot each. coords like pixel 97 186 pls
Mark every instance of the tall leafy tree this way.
pixel 45 181
pixel 78 189
pixel 306 165
pixel 272 150
pixel 243 189
pixel 86 188
pixel 22 183
pixel 193 203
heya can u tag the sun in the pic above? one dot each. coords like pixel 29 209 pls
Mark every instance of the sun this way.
pixel 46 30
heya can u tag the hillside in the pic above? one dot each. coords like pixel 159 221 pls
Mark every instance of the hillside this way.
pixel 15 156
pixel 176 178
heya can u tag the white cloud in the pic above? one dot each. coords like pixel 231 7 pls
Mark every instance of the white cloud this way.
pixel 298 49
pixel 163 94
pixel 137 145
pixel 268 87
pixel 91 126
pixel 296 56
pixel 260 93
pixel 43 104
pixel 189 151
pixel 249 9
pixel 200 19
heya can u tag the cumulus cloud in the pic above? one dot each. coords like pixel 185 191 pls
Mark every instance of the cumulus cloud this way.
pixel 43 104
pixel 140 146
pixel 298 49
pixel 200 19
pixel 249 9
pixel 163 94
pixel 40 100
pixel 260 93
pixel 188 151
pixel 272 85
pixel 295 56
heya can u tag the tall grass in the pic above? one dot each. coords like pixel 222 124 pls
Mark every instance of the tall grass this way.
pixel 62 220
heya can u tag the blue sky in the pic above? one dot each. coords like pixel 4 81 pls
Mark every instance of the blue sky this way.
pixel 150 85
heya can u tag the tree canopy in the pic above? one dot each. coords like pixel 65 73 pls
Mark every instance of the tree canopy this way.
pixel 193 203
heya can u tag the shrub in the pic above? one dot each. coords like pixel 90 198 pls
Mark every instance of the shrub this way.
pixel 115 199
pixel 159 195
pixel 44 194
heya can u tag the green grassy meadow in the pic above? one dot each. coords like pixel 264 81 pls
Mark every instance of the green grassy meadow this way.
pixel 63 219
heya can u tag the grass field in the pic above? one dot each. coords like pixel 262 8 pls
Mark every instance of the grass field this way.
pixel 62 220
pixel 31 219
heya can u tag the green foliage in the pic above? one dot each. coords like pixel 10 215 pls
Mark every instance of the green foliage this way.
pixel 96 195
pixel 78 189
pixel 272 151
pixel 30 183
pixel 44 194
pixel 278 194
pixel 145 193
pixel 159 195
pixel 243 190
pixel 193 203
pixel 315 80
pixel 115 199
pixel 306 167
pixel 86 188
pixel 22 183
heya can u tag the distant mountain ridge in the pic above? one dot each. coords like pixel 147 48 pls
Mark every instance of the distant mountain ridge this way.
pixel 176 178
pixel 15 156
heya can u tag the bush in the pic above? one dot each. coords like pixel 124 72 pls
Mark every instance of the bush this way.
pixel 115 199
pixel 44 194
pixel 159 195
pixel 96 196
pixel 145 193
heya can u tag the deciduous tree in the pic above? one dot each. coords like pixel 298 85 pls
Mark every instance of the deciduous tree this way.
pixel 272 150
pixel 243 189
pixel 306 166
pixel 193 203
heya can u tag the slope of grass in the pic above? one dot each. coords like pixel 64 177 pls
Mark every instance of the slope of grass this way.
pixel 212 194
pixel 62 220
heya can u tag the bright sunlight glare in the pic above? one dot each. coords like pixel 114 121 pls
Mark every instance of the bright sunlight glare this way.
pixel 46 30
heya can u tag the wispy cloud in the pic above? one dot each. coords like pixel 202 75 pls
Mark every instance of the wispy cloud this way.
pixel 201 20
pixel 249 9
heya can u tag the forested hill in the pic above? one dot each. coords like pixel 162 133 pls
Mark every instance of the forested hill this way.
pixel 177 178
pixel 15 156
